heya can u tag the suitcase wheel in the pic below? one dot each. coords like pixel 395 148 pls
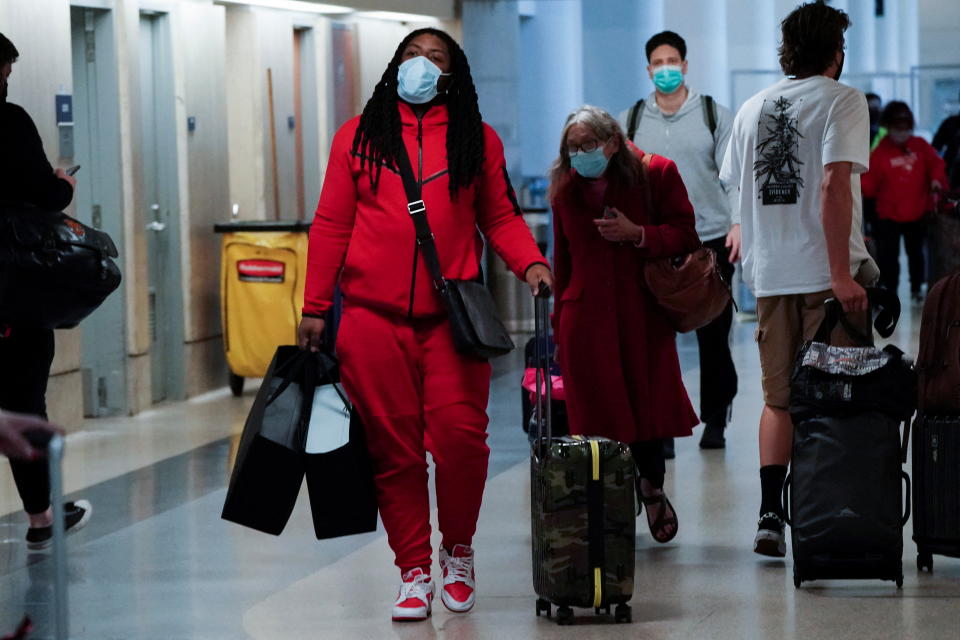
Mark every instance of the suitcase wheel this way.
pixel 623 613
pixel 900 582
pixel 236 384
pixel 543 606
pixel 925 561
pixel 564 616
pixel 796 581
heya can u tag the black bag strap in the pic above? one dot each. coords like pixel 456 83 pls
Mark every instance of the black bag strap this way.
pixel 633 121
pixel 418 213
pixel 709 114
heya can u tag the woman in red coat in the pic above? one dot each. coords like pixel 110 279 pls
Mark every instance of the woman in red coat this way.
pixel 617 351
pixel 413 390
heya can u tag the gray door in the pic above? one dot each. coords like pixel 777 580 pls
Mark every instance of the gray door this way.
pixel 160 212
pixel 98 201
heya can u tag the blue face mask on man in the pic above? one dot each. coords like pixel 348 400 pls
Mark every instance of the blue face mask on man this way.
pixel 668 77
pixel 589 164
pixel 417 80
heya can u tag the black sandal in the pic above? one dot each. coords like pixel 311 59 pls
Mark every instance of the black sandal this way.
pixel 662 520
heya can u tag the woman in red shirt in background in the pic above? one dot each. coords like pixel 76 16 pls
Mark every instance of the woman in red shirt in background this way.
pixel 904 170
pixel 414 392
pixel 616 348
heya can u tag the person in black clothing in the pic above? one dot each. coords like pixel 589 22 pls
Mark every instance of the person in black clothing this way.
pixel 26 352
pixel 947 143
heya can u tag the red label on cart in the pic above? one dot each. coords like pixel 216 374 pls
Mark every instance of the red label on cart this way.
pixel 260 270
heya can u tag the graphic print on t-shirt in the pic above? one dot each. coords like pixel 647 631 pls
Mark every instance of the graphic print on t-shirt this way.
pixel 778 166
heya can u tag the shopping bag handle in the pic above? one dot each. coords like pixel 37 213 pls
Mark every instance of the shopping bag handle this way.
pixel 883 302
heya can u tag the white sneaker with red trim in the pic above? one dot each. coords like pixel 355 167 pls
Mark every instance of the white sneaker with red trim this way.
pixel 415 598
pixel 459 582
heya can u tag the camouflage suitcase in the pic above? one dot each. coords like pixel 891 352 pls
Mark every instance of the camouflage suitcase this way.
pixel 583 515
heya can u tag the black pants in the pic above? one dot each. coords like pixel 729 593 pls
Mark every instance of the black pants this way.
pixel 888 234
pixel 25 359
pixel 718 375
pixel 648 456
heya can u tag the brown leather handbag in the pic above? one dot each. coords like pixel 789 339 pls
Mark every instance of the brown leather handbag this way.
pixel 689 288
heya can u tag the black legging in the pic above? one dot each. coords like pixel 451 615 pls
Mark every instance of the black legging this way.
pixel 887 234
pixel 718 375
pixel 25 359
pixel 648 456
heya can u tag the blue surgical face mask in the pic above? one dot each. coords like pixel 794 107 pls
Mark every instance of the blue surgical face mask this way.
pixel 589 164
pixel 417 80
pixel 668 77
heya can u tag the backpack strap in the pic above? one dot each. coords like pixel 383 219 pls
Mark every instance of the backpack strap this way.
pixel 709 114
pixel 633 121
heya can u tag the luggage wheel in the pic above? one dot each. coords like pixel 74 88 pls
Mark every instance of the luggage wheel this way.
pixel 236 384
pixel 924 561
pixel 623 613
pixel 796 581
pixel 543 606
pixel 564 615
pixel 900 582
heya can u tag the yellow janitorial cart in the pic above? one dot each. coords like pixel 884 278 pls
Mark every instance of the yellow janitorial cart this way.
pixel 262 269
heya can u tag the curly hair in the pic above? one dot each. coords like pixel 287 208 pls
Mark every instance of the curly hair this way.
pixel 812 35
pixel 624 167
pixel 378 139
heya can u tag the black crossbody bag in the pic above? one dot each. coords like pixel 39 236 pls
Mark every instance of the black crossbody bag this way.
pixel 477 330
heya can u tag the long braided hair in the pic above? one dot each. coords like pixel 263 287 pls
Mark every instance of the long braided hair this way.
pixel 378 142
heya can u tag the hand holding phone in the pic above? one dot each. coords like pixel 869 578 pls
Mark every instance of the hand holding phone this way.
pixel 72 170
pixel 608 213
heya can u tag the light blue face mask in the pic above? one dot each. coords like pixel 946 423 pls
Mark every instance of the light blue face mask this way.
pixel 589 164
pixel 668 78
pixel 417 80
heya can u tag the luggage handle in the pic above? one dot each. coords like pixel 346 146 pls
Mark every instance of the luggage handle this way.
pixel 543 397
pixel 885 302
pixel 785 502
pixel 906 505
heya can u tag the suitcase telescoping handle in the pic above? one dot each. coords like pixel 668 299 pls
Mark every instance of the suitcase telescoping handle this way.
pixel 542 355
pixel 54 443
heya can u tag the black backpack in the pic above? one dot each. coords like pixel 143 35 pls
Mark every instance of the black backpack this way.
pixel 707 104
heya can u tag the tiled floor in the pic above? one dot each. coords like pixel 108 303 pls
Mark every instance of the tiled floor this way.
pixel 157 563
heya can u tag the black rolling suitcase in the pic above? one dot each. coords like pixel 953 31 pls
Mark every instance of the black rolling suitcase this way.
pixel 843 498
pixel 936 431
pixel 583 517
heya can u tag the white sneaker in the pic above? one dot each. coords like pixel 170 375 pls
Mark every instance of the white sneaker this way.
pixel 415 598
pixel 459 591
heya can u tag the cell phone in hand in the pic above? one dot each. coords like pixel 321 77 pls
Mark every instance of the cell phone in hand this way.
pixel 72 170
pixel 608 213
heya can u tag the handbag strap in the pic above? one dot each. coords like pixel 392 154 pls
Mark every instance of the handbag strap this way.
pixel 418 213
pixel 645 172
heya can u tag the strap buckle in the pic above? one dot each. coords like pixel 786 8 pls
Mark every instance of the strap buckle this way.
pixel 416 207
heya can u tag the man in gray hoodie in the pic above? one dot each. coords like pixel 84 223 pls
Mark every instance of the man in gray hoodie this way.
pixel 692 130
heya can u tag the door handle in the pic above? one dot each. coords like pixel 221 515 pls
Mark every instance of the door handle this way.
pixel 156 226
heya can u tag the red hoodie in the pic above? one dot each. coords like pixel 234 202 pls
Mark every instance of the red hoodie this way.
pixel 900 178
pixel 367 239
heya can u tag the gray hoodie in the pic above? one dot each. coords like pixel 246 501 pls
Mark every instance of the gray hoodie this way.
pixel 685 138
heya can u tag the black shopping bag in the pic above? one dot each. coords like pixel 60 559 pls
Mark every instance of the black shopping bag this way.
pixel 270 461
pixel 343 498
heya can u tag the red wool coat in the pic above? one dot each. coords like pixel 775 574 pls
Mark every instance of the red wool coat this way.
pixel 617 351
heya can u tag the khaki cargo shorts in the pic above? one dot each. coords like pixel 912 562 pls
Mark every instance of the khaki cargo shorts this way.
pixel 785 322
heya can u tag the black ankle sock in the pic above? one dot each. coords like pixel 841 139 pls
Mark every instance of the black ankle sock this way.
pixel 772 477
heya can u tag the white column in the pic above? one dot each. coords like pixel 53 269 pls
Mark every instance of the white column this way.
pixel 701 24
pixel 752 40
pixel 887 41
pixel 551 78
pixel 614 62
pixel 861 37
pixel 491 40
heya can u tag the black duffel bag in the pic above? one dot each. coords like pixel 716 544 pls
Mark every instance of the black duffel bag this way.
pixel 842 381
pixel 54 270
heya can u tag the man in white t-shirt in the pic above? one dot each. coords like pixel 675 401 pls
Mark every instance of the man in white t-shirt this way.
pixel 796 152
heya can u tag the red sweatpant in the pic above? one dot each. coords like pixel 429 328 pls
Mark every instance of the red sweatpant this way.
pixel 415 394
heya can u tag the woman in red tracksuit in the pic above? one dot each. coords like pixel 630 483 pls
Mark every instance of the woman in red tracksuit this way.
pixel 616 348
pixel 904 169
pixel 414 392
